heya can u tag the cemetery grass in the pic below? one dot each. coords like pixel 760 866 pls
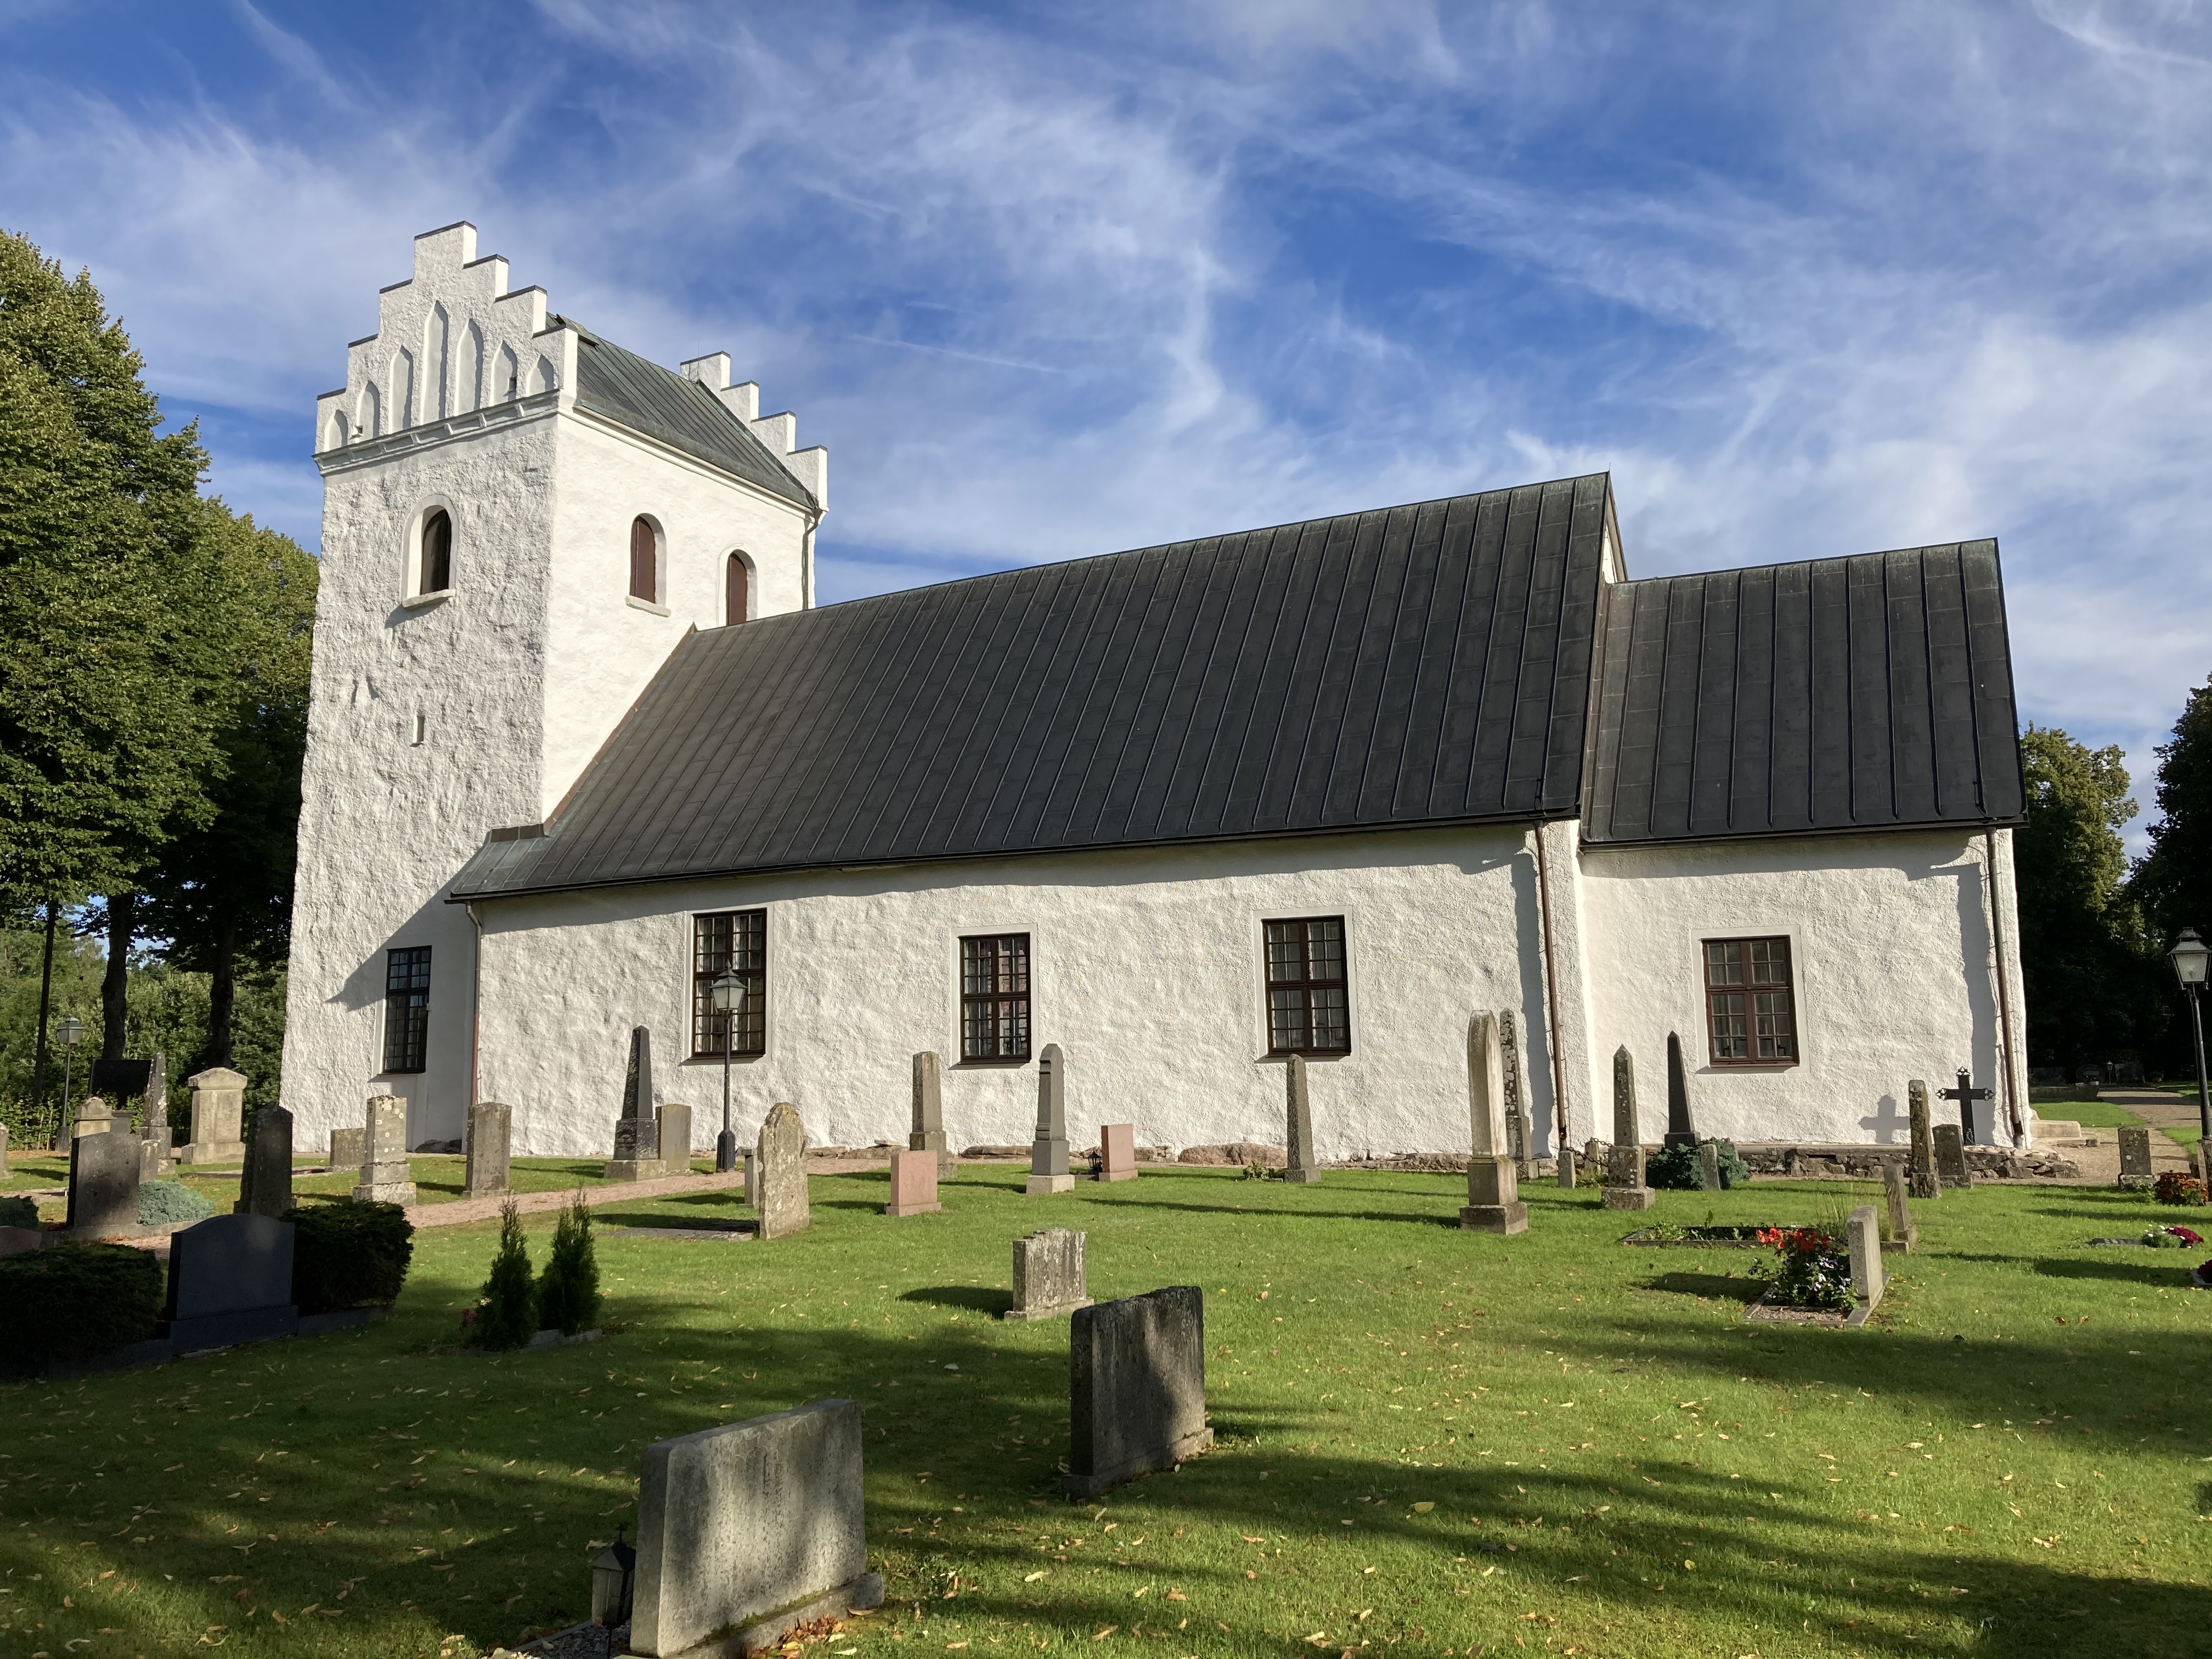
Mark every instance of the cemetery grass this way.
pixel 1429 1441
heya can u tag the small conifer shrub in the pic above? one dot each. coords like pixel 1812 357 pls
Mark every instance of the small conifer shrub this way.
pixel 163 1202
pixel 568 1290
pixel 507 1311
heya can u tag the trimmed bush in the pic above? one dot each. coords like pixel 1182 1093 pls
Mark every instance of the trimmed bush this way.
pixel 569 1289
pixel 161 1202
pixel 506 1312
pixel 16 1211
pixel 1677 1168
pixel 348 1253
pixel 74 1301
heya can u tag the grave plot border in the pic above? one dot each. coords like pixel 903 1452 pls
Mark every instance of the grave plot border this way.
pixel 1700 1237
pixel 1763 1312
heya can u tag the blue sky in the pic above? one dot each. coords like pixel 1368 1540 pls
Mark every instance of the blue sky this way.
pixel 1810 279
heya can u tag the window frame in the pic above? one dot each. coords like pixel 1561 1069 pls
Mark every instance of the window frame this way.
pixel 1304 985
pixel 737 564
pixel 423 586
pixel 1019 945
pixel 1749 989
pixel 406 1010
pixel 706 1042
pixel 658 557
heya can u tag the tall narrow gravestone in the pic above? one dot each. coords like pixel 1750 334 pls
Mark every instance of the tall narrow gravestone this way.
pixel 780 1172
pixel 1902 1234
pixel 1299 1167
pixel 265 1187
pixel 748 1530
pixel 1867 1279
pixel 1520 1119
pixel 928 1133
pixel 674 1138
pixel 1049 1170
pixel 218 1113
pixel 491 1140
pixel 1925 1182
pixel 1951 1156
pixel 103 1188
pixel 1624 1185
pixel 2134 1156
pixel 1493 1201
pixel 1136 1387
pixel 637 1134
pixel 1048 1275
pixel 4 1152
pixel 1709 1166
pixel 1567 1168
pixel 913 1183
pixel 1681 1131
pixel 385 1177
pixel 159 1159
pixel 230 1281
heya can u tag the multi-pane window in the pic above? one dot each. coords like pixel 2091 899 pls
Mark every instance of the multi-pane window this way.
pixel 1307 1000
pixel 734 942
pixel 407 1009
pixel 994 997
pixel 1750 1013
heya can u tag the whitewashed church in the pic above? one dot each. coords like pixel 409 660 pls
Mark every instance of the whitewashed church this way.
pixel 582 742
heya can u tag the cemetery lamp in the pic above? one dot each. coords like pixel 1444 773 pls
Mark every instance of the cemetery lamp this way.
pixel 729 994
pixel 2189 956
pixel 69 1033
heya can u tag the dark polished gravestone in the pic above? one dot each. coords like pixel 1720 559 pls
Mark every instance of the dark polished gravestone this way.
pixel 103 1189
pixel 637 1131
pixel 265 1186
pixel 230 1281
pixel 1136 1387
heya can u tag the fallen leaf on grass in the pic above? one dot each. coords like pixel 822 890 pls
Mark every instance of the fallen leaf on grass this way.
pixel 1423 1509
pixel 1103 1634
pixel 1034 1577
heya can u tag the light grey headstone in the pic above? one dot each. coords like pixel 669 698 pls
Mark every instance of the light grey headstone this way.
pixel 637 1132
pixel 1868 1280
pixel 156 1101
pixel 1926 1183
pixel 1520 1123
pixel 265 1185
pixel 1681 1131
pixel 1567 1167
pixel 1048 1275
pixel 1136 1387
pixel 1493 1199
pixel 1902 1234
pixel 103 1189
pixel 1298 1104
pixel 385 1175
pixel 1951 1156
pixel 1049 1170
pixel 1625 1187
pixel 349 1148
pixel 230 1281
pixel 745 1530
pixel 491 1144
pixel 2135 1155
pixel 675 1139
pixel 927 1134
pixel 218 1117
pixel 1709 1165
pixel 780 1169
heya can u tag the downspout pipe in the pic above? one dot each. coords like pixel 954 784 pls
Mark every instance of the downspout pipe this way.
pixel 1551 988
pixel 2004 984
pixel 475 1019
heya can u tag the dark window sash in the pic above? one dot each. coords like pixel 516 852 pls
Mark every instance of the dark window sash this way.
pixel 1750 1004
pixel 734 941
pixel 994 999
pixel 1308 986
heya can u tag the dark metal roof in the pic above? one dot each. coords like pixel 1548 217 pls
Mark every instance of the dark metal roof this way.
pixel 1409 665
pixel 681 413
pixel 1870 692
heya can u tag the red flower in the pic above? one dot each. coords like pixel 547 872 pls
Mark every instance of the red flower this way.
pixel 2186 1235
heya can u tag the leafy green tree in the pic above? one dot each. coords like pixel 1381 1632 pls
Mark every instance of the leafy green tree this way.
pixel 2173 881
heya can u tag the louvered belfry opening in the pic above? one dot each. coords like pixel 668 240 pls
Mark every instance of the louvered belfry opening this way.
pixel 437 552
pixel 644 558
pixel 735 595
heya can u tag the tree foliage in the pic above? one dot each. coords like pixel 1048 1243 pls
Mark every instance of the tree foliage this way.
pixel 2174 882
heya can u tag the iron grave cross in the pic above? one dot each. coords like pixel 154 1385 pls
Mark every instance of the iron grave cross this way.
pixel 1965 1094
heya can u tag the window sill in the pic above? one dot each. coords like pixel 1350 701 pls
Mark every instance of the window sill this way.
pixel 998 1063
pixel 1752 1065
pixel 715 1060
pixel 1308 1054
pixel 417 601
pixel 636 603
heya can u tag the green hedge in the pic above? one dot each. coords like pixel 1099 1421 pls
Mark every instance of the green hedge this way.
pixel 16 1211
pixel 348 1253
pixel 1679 1169
pixel 74 1301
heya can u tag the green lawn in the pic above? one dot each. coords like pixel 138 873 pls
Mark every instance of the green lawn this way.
pixel 2090 1114
pixel 1430 1441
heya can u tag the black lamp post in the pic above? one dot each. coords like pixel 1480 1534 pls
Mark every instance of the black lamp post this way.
pixel 70 1032
pixel 729 994
pixel 2189 957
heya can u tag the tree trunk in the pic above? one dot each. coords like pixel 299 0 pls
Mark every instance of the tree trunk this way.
pixel 45 1006
pixel 115 984
pixel 222 990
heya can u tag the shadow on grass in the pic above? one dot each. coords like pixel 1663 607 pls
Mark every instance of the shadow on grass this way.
pixel 2173 1275
pixel 1710 1287
pixel 977 1296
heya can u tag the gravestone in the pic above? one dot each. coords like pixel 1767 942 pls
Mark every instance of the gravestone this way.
pixel 1709 1166
pixel 1951 1156
pixel 120 1080
pixel 103 1186
pixel 747 1530
pixel 230 1281
pixel 637 1133
pixel 1625 1188
pixel 1048 1277
pixel 349 1148
pixel 1868 1280
pixel 913 1183
pixel 1902 1235
pixel 93 1117
pixel 1567 1168
pixel 1520 1121
pixel 1299 1166
pixel 1925 1182
pixel 1136 1387
pixel 674 1139
pixel 156 1107
pixel 491 1141
pixel 1048 1171
pixel 2134 1156
pixel 780 1169
pixel 1117 1151
pixel 1680 1130
pixel 385 1177
pixel 265 1188
pixel 218 1116
pixel 1493 1201
pixel 928 1133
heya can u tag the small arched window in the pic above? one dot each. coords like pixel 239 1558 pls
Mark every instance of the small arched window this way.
pixel 437 552
pixel 644 562
pixel 737 595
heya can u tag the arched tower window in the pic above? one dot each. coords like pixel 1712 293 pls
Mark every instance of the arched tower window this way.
pixel 737 593
pixel 644 562
pixel 437 552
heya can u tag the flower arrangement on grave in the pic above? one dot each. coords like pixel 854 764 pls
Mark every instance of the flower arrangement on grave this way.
pixel 569 1289
pixel 2170 1238
pixel 1815 1270
pixel 505 1314
pixel 2172 1187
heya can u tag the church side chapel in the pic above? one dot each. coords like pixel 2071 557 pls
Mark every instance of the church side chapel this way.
pixel 582 744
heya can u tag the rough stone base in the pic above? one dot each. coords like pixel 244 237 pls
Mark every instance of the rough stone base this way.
pixel 638 1169
pixel 1902 1246
pixel 1301 1178
pixel 1494 1217
pixel 1057 1311
pixel 2135 1183
pixel 212 1151
pixel 388 1191
pixel 913 1209
pixel 763 1635
pixel 1090 1486
pixel 1628 1198
pixel 1058 1183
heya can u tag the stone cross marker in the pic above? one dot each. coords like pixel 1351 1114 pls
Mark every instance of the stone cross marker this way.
pixel 1951 1156
pixel 1624 1184
pixel 230 1281
pixel 1968 1096
pixel 349 1148
pixel 674 1139
pixel 1868 1280
pixel 1117 1151
pixel 928 1132
pixel 491 1141
pixel 1493 1202
pixel 746 1531
pixel 1925 1182
pixel 1048 1277
pixel 637 1133
pixel 1136 1387
pixel 384 1176
pixel 1709 1166
pixel 265 1187
pixel 218 1111
pixel 2134 1156
pixel 103 1188
pixel 1520 1124
pixel 1299 1167
pixel 1902 1235
pixel 913 1182
pixel 780 1165
pixel 1681 1131
pixel 1048 1171
pixel 1567 1168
